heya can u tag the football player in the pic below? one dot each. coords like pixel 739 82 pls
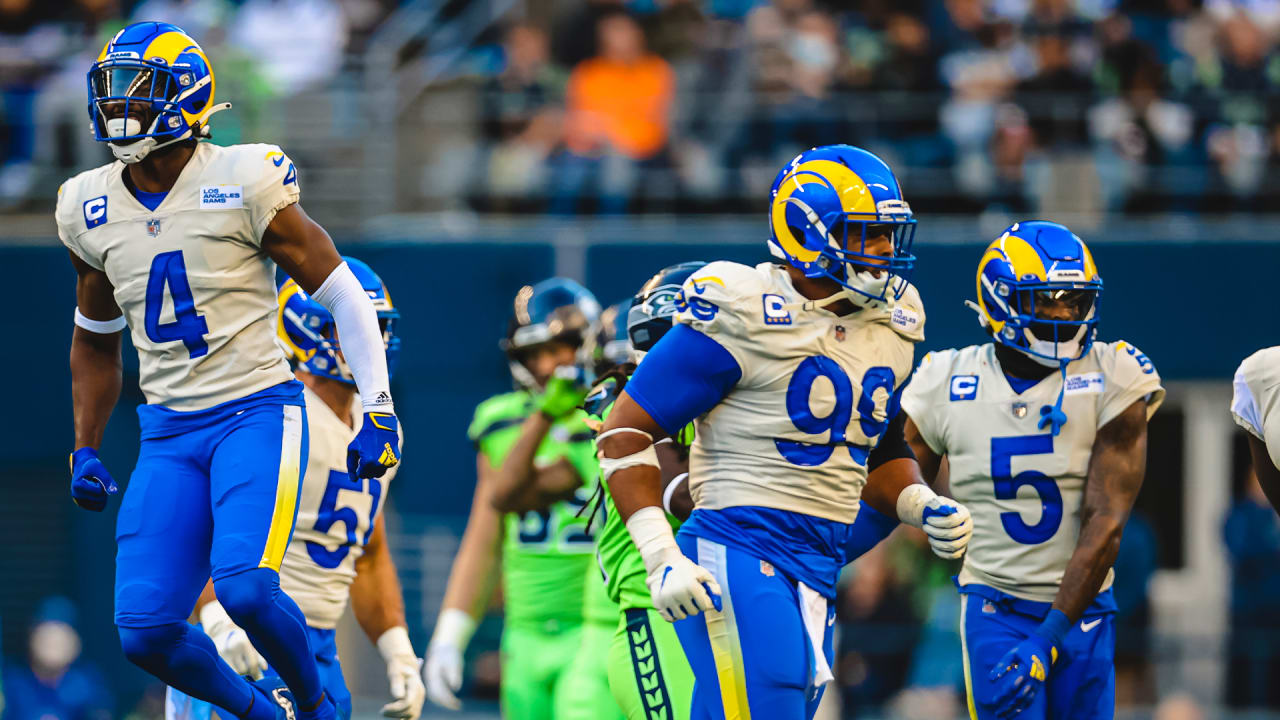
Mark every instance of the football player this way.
pixel 178 240
pixel 536 471
pixel 1255 406
pixel 339 548
pixel 791 372
pixel 1045 431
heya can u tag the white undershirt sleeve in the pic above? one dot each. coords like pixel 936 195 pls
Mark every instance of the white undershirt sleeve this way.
pixel 359 336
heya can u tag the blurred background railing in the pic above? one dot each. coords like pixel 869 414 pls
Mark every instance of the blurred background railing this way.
pixel 468 147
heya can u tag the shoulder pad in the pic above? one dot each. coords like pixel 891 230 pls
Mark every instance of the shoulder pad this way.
pixel 1121 350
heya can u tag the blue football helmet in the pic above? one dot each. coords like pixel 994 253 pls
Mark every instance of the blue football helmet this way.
pixel 607 345
pixel 824 207
pixel 309 335
pixel 151 86
pixel 553 310
pixel 1039 292
pixel 654 309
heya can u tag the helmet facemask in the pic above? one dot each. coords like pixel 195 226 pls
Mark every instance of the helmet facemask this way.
pixel 138 106
pixel 1051 322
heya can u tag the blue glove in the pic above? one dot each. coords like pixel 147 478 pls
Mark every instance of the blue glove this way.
pixel 90 481
pixel 1022 672
pixel 375 448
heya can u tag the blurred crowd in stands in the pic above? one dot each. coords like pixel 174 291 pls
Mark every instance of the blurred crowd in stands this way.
pixel 1013 105
pixel 691 105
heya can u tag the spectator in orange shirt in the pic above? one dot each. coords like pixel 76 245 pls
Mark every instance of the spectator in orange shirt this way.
pixel 617 122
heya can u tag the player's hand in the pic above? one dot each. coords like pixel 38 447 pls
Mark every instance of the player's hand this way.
pixel 375 448
pixel 565 392
pixel 948 525
pixel 681 588
pixel 91 484
pixel 408 693
pixel 443 674
pixel 232 642
pixel 1022 672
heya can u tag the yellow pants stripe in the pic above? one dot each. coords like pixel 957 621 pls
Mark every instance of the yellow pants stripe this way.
pixel 722 631
pixel 286 489
pixel 964 654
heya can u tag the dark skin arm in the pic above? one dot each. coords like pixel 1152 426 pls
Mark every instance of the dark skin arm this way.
pixel 930 463
pixel 96 369
pixel 300 247
pixel 376 597
pixel 886 483
pixel 1116 469
pixel 674 462
pixel 638 486
pixel 1268 474
pixel 519 485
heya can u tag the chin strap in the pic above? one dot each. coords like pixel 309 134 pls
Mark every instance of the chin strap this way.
pixel 1052 415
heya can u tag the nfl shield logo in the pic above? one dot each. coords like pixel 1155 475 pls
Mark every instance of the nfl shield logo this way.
pixel 839 333
pixel 153 227
pixel 1019 409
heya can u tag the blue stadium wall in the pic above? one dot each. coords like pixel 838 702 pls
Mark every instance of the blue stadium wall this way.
pixel 1195 309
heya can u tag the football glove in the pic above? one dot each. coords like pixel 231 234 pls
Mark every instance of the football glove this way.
pixel 681 588
pixel 91 484
pixel 376 448
pixel 1022 672
pixel 945 521
pixel 232 643
pixel 565 392
pixel 442 671
pixel 404 672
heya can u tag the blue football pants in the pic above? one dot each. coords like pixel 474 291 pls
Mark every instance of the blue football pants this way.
pixel 1081 683
pixel 753 658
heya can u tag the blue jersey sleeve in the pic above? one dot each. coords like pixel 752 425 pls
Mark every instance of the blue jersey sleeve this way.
pixel 869 528
pixel 682 377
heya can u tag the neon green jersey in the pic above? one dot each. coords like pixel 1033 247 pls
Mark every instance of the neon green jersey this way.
pixel 546 554
pixel 620 561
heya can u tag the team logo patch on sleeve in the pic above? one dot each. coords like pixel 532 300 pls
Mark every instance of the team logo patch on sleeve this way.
pixel 775 310
pixel 964 387
pixel 221 197
pixel 1085 384
pixel 95 211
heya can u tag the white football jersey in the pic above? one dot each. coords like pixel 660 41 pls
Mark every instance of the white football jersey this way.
pixel 196 288
pixel 336 517
pixel 1023 486
pixel 795 432
pixel 1255 401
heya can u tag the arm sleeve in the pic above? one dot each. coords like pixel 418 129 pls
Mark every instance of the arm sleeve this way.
pixel 359 336
pixel 685 375
pixel 275 189
pixel 892 446
pixel 869 528
pixel 1130 377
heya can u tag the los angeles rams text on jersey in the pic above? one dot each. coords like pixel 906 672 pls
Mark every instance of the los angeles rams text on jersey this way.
pixel 1024 486
pixel 816 391
pixel 190 276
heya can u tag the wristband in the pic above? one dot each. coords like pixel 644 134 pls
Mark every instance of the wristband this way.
pixel 670 490
pixel 1054 628
pixel 453 627
pixel 911 503
pixel 394 645
pixel 651 532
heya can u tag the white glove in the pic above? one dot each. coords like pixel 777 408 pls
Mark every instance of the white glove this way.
pixel 404 671
pixel 945 521
pixel 232 643
pixel 678 587
pixel 443 668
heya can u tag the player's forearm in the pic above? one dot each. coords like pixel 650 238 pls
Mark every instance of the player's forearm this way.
pixel 96 379
pixel 377 600
pixel 1116 469
pixel 475 568
pixel 518 476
